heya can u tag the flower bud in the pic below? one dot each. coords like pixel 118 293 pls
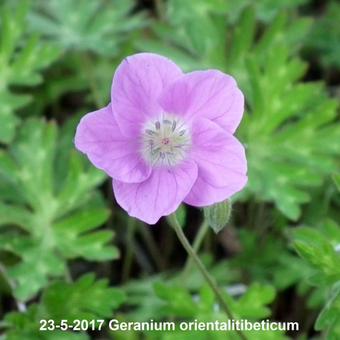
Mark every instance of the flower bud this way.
pixel 218 215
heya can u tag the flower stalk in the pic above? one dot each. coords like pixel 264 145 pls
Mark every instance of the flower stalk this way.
pixel 208 278
pixel 202 231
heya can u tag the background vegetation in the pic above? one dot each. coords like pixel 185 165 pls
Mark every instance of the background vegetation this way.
pixel 67 251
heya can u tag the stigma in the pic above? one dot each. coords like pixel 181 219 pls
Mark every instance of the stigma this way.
pixel 166 141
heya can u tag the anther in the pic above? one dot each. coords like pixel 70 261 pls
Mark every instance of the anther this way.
pixel 165 142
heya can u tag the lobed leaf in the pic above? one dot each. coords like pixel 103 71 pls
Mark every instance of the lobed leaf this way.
pixel 86 299
pixel 56 210
pixel 21 62
pixel 96 26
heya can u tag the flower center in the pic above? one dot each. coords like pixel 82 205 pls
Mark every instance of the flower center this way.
pixel 166 141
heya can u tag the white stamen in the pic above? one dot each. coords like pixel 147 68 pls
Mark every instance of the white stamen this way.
pixel 166 141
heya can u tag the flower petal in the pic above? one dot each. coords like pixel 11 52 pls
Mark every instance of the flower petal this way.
pixel 137 84
pixel 206 94
pixel 222 165
pixel 99 137
pixel 160 195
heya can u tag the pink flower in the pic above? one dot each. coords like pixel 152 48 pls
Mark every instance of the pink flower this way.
pixel 167 137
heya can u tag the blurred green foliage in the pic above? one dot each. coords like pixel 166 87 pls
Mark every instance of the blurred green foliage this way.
pixel 320 248
pixel 179 303
pixel 57 220
pixel 22 58
pixel 54 212
pixel 85 299
pixel 325 36
pixel 96 26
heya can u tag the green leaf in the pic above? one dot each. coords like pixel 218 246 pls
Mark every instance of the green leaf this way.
pixel 179 301
pixel 336 179
pixel 7 128
pixel 56 208
pixel 26 326
pixel 201 306
pixel 218 215
pixel 325 36
pixel 87 299
pixel 265 10
pixel 182 303
pixel 286 120
pixel 181 214
pixel 252 305
pixel 97 26
pixel 320 250
pixel 21 61
pixel 329 318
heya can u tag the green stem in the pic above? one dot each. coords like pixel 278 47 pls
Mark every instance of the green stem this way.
pixel 129 246
pixel 68 275
pixel 152 247
pixel 208 278
pixel 196 246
